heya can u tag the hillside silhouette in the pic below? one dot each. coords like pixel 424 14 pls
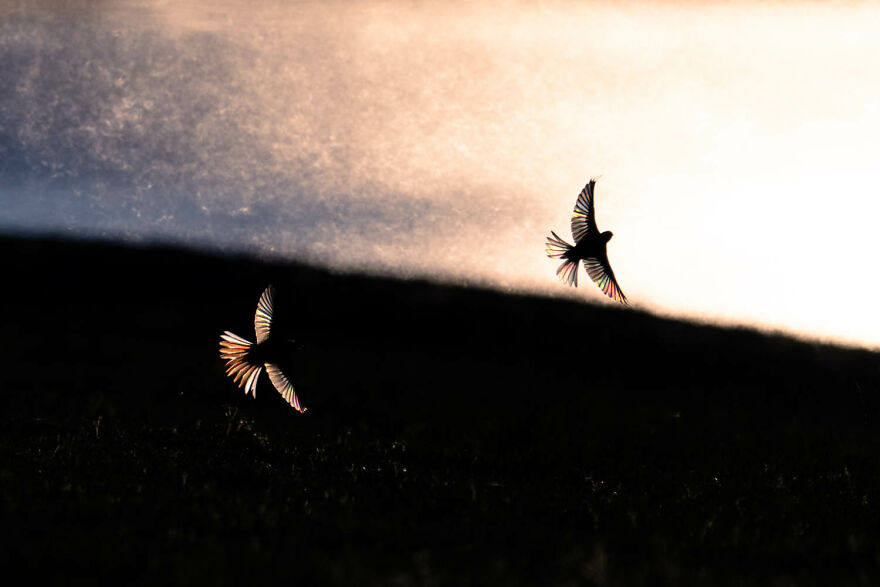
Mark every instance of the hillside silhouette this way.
pixel 454 435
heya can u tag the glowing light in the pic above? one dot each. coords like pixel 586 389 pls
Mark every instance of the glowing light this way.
pixel 444 141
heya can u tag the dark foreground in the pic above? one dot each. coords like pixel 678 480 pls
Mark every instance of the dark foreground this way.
pixel 453 436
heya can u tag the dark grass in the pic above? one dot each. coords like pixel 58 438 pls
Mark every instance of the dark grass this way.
pixel 454 436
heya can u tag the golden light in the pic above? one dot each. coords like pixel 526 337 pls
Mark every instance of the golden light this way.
pixel 737 143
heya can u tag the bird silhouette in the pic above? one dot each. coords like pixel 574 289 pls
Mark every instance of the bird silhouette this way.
pixel 589 247
pixel 245 360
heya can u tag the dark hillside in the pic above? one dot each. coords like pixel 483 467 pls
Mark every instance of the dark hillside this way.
pixel 454 436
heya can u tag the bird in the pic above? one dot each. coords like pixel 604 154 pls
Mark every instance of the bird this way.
pixel 589 247
pixel 246 360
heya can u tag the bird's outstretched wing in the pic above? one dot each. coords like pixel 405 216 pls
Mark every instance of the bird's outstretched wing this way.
pixel 583 217
pixel 600 272
pixel 283 385
pixel 263 317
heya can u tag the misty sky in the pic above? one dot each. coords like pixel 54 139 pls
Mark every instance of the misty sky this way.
pixel 737 143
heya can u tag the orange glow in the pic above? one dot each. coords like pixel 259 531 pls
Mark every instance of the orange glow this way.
pixel 737 144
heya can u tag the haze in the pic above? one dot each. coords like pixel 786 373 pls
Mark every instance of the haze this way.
pixel 736 143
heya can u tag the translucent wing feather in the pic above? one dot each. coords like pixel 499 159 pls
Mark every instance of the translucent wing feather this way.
pixel 263 317
pixel 283 385
pixel 583 218
pixel 600 272
pixel 239 354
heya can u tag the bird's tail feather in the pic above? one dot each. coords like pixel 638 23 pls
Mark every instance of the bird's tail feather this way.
pixel 233 347
pixel 235 350
pixel 568 272
pixel 556 249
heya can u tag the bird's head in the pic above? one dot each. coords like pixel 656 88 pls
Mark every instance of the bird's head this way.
pixel 607 235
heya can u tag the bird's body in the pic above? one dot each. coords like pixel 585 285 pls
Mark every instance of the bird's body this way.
pixel 269 351
pixel 246 360
pixel 590 247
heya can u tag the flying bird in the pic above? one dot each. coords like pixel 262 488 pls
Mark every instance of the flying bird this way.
pixel 589 247
pixel 245 360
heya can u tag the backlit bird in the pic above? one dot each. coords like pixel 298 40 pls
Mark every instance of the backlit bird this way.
pixel 245 360
pixel 589 247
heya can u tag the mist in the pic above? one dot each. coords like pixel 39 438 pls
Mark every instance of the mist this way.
pixel 445 141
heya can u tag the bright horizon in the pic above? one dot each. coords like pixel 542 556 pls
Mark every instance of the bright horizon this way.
pixel 736 144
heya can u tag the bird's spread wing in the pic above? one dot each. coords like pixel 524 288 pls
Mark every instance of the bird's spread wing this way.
pixel 583 217
pixel 263 317
pixel 283 385
pixel 600 272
